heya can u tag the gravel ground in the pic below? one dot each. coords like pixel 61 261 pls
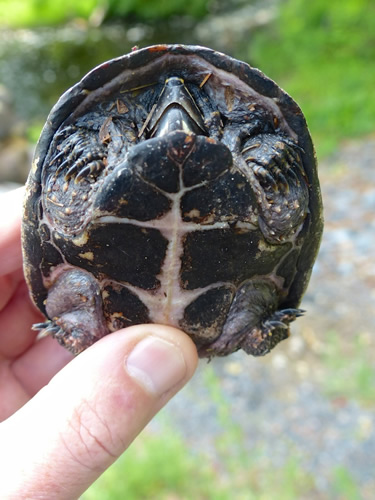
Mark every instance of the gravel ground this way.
pixel 279 403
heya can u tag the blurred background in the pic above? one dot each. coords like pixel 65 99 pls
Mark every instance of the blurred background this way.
pixel 300 423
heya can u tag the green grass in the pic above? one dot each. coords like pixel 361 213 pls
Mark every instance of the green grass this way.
pixel 155 467
pixel 349 370
pixel 344 485
pixel 323 54
pixel 162 466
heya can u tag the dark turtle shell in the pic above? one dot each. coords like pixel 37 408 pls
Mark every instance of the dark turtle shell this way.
pixel 174 185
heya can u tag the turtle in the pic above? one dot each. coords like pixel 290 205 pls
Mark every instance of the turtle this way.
pixel 173 185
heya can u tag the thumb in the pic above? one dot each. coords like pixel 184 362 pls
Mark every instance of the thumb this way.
pixel 76 426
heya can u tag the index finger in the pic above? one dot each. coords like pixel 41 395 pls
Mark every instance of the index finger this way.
pixel 10 231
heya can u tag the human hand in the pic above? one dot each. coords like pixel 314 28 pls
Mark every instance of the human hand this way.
pixel 61 433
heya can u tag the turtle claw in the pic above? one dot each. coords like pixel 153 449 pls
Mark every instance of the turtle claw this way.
pixel 272 324
pixel 291 313
pixel 82 155
pixel 40 326
pixel 90 169
pixel 280 178
pixel 271 177
pixel 46 329
pixel 280 319
pixel 276 156
pixel 265 177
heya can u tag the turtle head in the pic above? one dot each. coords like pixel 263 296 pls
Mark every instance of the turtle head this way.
pixel 175 110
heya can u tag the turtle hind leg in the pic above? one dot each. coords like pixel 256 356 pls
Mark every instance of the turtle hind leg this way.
pixel 74 306
pixel 254 322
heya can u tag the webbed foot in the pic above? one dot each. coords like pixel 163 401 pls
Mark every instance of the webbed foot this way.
pixel 254 322
pixel 74 306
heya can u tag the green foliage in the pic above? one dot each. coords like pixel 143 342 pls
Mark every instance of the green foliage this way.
pixel 42 12
pixel 33 132
pixel 149 9
pixel 323 53
pixel 47 12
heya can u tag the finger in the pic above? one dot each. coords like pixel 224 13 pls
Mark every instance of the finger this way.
pixel 75 427
pixel 35 368
pixel 10 230
pixel 8 285
pixel 16 320
pixel 24 377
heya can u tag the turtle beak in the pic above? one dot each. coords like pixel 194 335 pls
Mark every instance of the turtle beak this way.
pixel 175 110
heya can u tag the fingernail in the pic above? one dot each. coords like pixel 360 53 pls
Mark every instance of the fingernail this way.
pixel 156 364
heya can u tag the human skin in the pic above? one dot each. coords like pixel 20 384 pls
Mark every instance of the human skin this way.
pixel 65 420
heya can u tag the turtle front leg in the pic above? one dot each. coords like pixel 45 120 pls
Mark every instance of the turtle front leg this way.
pixel 254 322
pixel 74 306
pixel 279 183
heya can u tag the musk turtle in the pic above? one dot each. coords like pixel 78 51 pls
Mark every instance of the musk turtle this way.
pixel 174 185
